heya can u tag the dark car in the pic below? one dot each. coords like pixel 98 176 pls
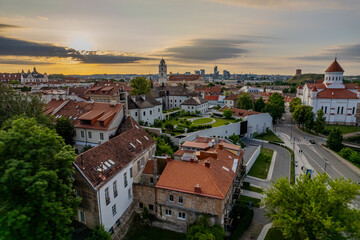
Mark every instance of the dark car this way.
pixel 312 141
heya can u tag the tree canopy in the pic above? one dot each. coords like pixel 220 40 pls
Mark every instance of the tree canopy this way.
pixel 203 231
pixel 275 106
pixel 304 116
pixel 245 101
pixel 294 103
pixel 140 85
pixel 334 140
pixel 227 113
pixel 99 233
pixel 259 105
pixel 37 200
pixel 320 121
pixel 65 129
pixel 316 208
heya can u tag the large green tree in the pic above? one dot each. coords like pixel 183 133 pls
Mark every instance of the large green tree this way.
pixel 275 106
pixel 259 105
pixel 319 124
pixel 334 140
pixel 65 129
pixel 303 115
pixel 227 113
pixel 202 231
pixel 37 200
pixel 314 208
pixel 245 101
pixel 99 233
pixel 140 85
pixel 14 104
pixel 294 103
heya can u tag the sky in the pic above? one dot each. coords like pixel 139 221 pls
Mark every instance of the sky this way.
pixel 122 37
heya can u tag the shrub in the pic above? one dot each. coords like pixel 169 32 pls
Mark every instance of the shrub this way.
pixel 157 123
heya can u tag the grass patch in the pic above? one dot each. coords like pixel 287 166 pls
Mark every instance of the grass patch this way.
pixel 269 136
pixel 247 186
pixel 145 232
pixel 344 129
pixel 274 234
pixel 261 166
pixel 202 121
pixel 245 199
pixel 220 122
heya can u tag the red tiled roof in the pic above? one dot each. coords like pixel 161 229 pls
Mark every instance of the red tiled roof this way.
pixel 314 89
pixel 10 76
pixel 241 112
pixel 337 94
pixel 117 149
pixel 231 97
pixel 200 145
pixel 299 87
pixel 184 77
pixel 351 85
pixel 335 67
pixel 211 97
pixel 209 90
pixel 105 88
pixel 317 85
pixel 149 168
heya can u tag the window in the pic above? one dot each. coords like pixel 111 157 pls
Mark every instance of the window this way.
pixel 171 198
pixel 141 205
pixel 150 112
pixel 89 135
pixel 77 193
pixel 101 136
pixel 151 180
pixel 138 165
pixel 180 200
pixel 101 123
pixel 125 180
pixel 135 114
pixel 144 113
pixel 142 162
pixel 168 212
pixel 158 109
pixel 82 134
pixel 131 173
pixel 115 189
pixel 114 209
pixel 82 216
pixel 107 196
pixel 182 215
pixel 118 222
pixel 111 230
pixel 151 207
pixel 353 111
pixel 338 110
pixel 325 109
pixel 342 110
pixel 129 193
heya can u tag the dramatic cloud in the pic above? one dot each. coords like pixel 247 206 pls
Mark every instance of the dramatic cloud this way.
pixel 16 47
pixel 207 49
pixel 346 52
pixel 22 62
pixel 2 26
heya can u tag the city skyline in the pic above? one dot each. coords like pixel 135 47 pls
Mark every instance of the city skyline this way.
pixel 262 37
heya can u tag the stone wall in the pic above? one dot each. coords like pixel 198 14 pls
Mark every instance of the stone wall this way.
pixel 144 196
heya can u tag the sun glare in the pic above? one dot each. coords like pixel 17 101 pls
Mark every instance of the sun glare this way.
pixel 81 43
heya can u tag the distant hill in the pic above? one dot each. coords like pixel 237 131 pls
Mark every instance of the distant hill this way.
pixel 306 78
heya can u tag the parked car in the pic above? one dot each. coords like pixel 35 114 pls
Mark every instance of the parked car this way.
pixel 312 141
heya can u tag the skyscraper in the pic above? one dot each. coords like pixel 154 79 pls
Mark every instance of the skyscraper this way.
pixel 216 73
pixel 202 71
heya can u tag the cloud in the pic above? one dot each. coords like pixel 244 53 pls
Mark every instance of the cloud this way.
pixel 346 52
pixel 23 62
pixel 207 49
pixel 3 25
pixel 43 18
pixel 16 47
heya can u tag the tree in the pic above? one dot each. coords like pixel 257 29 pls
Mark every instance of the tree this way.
pixel 37 200
pixel 309 120
pixel 202 231
pixel 140 85
pixel 227 113
pixel 303 114
pixel 259 105
pixel 99 233
pixel 294 103
pixel 334 140
pixel 292 89
pixel 285 90
pixel 275 106
pixel 314 208
pixel 319 124
pixel 14 104
pixel 245 101
pixel 65 129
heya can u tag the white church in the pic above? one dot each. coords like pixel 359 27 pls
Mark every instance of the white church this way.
pixel 338 100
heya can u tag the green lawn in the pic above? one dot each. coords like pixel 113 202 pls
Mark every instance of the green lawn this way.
pixel 254 189
pixel 261 166
pixel 245 199
pixel 344 129
pixel 220 122
pixel 269 136
pixel 274 234
pixel 202 121
pixel 145 232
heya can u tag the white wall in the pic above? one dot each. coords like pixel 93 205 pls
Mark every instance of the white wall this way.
pixel 252 159
pixel 258 123
pixel 150 114
pixel 175 101
pixel 192 109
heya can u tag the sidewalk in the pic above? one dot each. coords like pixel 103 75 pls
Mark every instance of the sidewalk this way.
pixel 252 194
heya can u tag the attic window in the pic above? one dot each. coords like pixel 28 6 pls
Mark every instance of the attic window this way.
pixel 101 123
pixel 138 141
pixel 146 138
pixel 226 168
pixel 132 145
pixel 230 157
pixel 105 165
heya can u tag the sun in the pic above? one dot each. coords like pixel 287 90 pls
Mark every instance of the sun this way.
pixel 81 43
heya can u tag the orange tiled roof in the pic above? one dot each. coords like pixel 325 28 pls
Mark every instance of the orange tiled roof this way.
pixel 149 168
pixel 334 67
pixel 337 94
pixel 201 145
pixel 184 77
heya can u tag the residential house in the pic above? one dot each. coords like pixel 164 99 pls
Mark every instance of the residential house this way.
pixel 195 104
pixel 107 91
pixel 145 109
pixel 231 100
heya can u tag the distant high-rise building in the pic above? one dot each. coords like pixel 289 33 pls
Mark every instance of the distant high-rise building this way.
pixel 202 72
pixel 226 74
pixel 162 72
pixel 298 72
pixel 216 73
pixel 187 73
pixel 197 72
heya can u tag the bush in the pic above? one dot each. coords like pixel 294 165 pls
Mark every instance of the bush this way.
pixel 169 127
pixel 242 217
pixel 157 123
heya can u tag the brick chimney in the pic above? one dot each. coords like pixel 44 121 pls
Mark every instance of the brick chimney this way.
pixel 207 164
pixel 203 154
pixel 221 146
pixel 197 188
pixel 213 155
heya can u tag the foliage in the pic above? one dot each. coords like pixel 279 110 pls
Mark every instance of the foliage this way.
pixel 275 106
pixel 236 140
pixel 314 208
pixel 14 82
pixel 245 101
pixel 334 140
pixel 242 217
pixel 157 123
pixel 350 155
pixel 304 116
pixel 319 124
pixel 99 233
pixel 285 90
pixel 37 200
pixel 65 129
pixel 202 231
pixel 227 114
pixel 169 127
pixel 294 103
pixel 164 145
pixel 198 127
pixel 14 104
pixel 57 76
pixel 303 78
pixel 292 89
pixel 268 136
pixel 140 85
pixel 259 105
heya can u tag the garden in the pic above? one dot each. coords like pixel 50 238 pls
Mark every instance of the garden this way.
pixel 261 166
pixel 268 136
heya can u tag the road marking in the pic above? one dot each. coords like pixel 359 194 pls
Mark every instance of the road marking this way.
pixel 317 164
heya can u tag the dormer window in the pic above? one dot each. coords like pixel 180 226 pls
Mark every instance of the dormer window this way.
pixel 101 123
pixel 85 122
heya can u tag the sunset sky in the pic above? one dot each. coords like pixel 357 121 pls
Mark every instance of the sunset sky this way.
pixel 116 36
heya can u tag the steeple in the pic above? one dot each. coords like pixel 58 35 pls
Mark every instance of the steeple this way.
pixel 334 75
pixel 162 72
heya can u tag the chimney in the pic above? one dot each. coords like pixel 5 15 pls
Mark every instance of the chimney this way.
pixel 221 146
pixel 213 155
pixel 197 188
pixel 203 154
pixel 207 164
pixel 192 160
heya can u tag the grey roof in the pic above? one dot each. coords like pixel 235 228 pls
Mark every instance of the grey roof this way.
pixel 175 91
pixel 139 102
pixel 194 101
